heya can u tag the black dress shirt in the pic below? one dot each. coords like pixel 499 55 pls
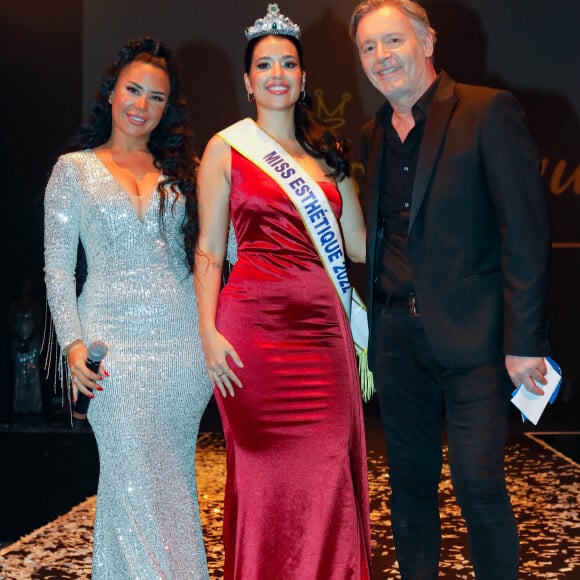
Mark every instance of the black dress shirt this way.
pixel 395 278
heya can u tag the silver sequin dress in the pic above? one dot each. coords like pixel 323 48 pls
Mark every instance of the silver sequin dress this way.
pixel 138 298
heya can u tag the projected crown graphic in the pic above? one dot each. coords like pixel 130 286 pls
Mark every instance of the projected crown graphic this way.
pixel 336 117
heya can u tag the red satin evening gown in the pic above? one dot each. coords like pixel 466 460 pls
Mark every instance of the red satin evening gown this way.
pixel 296 502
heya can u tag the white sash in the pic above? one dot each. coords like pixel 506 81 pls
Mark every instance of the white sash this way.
pixel 309 199
pixel 313 207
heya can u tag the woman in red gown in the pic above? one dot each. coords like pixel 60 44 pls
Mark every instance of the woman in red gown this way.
pixel 277 341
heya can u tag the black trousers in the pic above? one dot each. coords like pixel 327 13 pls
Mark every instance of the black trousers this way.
pixel 416 394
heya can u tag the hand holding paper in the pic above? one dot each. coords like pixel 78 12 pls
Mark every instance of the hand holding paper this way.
pixel 532 406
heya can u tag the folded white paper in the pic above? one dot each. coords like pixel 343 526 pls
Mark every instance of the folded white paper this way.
pixel 532 406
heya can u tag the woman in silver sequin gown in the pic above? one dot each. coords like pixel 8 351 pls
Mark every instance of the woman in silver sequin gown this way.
pixel 138 298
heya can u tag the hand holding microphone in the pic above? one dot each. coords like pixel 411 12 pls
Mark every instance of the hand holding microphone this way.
pixel 96 353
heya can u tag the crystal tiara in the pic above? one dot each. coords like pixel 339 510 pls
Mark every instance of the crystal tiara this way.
pixel 273 23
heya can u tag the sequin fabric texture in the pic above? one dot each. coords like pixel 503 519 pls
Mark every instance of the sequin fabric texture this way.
pixel 138 298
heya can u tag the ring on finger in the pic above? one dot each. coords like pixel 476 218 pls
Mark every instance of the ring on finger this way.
pixel 220 374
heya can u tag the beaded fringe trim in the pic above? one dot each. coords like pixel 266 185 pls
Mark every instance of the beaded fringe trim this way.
pixel 56 361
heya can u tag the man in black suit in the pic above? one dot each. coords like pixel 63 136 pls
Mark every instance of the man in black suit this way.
pixel 457 257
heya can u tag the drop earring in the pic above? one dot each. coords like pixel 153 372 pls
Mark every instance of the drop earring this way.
pixel 302 97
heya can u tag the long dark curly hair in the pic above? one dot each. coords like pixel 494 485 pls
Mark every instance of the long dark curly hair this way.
pixel 170 143
pixel 314 136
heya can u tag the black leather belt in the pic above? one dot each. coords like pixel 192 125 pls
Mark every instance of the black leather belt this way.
pixel 408 302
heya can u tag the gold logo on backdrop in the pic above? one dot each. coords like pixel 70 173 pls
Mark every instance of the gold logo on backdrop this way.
pixel 560 181
pixel 335 118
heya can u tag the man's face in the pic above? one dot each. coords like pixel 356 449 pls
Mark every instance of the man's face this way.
pixel 394 58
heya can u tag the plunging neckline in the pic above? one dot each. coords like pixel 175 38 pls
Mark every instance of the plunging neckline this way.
pixel 141 218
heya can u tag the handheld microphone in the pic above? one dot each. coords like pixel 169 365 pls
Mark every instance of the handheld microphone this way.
pixel 96 353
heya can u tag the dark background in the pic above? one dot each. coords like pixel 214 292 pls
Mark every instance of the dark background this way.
pixel 53 54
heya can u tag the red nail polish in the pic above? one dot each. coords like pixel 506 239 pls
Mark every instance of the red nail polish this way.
pixel 106 373
pixel 99 388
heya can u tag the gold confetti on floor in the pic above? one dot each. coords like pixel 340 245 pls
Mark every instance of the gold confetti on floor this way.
pixel 544 486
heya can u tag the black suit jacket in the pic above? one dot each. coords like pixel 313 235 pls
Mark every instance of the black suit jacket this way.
pixel 479 237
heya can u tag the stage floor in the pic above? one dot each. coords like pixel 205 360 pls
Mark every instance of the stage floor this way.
pixel 543 482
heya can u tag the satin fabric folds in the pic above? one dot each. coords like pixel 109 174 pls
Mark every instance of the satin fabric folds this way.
pixel 296 504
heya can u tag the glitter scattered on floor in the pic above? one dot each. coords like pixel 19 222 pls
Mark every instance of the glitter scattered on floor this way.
pixel 545 491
